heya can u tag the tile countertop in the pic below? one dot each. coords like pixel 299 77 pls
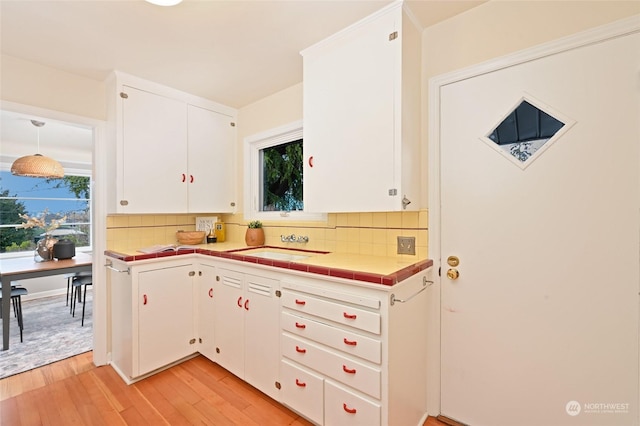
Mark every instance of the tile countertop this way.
pixel 372 269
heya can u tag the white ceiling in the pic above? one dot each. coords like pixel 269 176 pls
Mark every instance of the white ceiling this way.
pixel 232 52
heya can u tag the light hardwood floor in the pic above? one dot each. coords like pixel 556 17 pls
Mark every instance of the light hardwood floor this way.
pixel 197 391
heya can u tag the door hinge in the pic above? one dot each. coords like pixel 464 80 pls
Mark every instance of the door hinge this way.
pixel 217 350
pixel 393 36
pixel 192 341
pixel 124 95
pixel 232 124
pixel 192 273
pixel 440 271
pixel 393 192
pixel 278 385
pixel 278 293
pixel 200 340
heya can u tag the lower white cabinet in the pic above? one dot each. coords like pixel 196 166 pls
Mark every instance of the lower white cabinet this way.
pixel 247 312
pixel 352 357
pixel 206 310
pixel 152 316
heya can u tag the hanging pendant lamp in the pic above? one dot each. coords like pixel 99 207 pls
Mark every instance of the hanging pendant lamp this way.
pixel 37 165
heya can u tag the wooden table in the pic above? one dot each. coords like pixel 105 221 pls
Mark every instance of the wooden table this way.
pixel 22 268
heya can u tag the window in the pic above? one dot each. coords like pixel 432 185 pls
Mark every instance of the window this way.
pixel 274 165
pixel 48 199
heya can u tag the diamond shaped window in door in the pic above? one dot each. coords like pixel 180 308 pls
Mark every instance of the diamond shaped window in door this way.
pixel 526 131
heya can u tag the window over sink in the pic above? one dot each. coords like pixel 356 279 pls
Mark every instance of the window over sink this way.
pixel 274 175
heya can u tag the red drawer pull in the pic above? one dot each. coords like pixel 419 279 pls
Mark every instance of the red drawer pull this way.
pixel 350 342
pixel 246 305
pixel 144 299
pixel 301 350
pixel 211 292
pixel 348 370
pixel 347 316
pixel 184 178
pixel 347 409
pixel 298 325
pixel 301 384
pixel 240 302
pixel 191 179
pixel 300 302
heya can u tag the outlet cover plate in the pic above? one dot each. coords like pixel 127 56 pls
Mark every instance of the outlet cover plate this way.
pixel 406 245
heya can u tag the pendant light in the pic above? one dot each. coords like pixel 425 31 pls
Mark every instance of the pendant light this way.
pixel 37 165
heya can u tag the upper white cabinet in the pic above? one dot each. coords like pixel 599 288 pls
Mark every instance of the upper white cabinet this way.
pixel 171 152
pixel 362 116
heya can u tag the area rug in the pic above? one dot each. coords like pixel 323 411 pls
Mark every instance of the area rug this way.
pixel 50 334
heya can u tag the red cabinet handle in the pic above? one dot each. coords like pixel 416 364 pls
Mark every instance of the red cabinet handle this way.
pixel 190 178
pixel 348 370
pixel 246 305
pixel 301 384
pixel 144 299
pixel 350 342
pixel 347 316
pixel 300 302
pixel 311 161
pixel 347 409
pixel 211 292
pixel 239 302
pixel 300 350
pixel 184 178
pixel 298 325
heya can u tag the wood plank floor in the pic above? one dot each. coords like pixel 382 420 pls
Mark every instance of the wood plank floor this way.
pixel 198 391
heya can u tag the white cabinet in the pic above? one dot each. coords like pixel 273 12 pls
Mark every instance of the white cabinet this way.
pixel 362 116
pixel 247 313
pixel 152 316
pixel 206 310
pixel 171 152
pixel 350 356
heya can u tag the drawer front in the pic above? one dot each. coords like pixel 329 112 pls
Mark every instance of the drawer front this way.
pixel 335 337
pixel 344 408
pixel 302 391
pixel 342 314
pixel 331 364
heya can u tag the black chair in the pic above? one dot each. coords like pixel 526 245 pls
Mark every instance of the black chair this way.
pixel 16 299
pixel 70 278
pixel 77 283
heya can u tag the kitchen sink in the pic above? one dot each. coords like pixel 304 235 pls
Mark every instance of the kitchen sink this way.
pixel 278 254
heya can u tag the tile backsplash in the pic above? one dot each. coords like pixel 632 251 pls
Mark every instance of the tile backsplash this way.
pixel 358 233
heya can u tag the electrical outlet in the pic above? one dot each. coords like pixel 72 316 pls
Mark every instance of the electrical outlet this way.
pixel 205 223
pixel 406 245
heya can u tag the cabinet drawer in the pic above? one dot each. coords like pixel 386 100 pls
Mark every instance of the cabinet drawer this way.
pixel 337 312
pixel 338 338
pixel 344 408
pixel 341 368
pixel 302 391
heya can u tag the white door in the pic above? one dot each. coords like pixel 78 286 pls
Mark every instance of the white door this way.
pixel 541 326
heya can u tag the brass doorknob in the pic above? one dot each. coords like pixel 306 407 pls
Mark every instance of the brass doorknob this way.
pixel 453 274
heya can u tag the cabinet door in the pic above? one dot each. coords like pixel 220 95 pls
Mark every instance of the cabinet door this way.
pixel 165 317
pixel 154 155
pixel 349 119
pixel 229 321
pixel 206 311
pixel 262 344
pixel 211 161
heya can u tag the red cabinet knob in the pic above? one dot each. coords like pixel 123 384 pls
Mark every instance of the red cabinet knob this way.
pixel 350 342
pixel 311 161
pixel 348 370
pixel 300 302
pixel 239 302
pixel 211 292
pixel 347 409
pixel 246 305
pixel 298 325
pixel 301 384
pixel 301 350
pixel 349 316
pixel 144 299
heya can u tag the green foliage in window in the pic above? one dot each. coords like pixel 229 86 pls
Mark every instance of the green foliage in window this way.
pixel 10 211
pixel 282 178
pixel 79 185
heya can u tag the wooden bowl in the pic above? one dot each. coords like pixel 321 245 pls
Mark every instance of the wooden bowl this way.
pixel 190 237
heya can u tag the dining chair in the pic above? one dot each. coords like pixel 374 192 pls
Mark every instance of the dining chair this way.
pixel 70 278
pixel 16 298
pixel 77 284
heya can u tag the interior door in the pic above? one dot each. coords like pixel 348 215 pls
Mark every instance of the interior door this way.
pixel 539 319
